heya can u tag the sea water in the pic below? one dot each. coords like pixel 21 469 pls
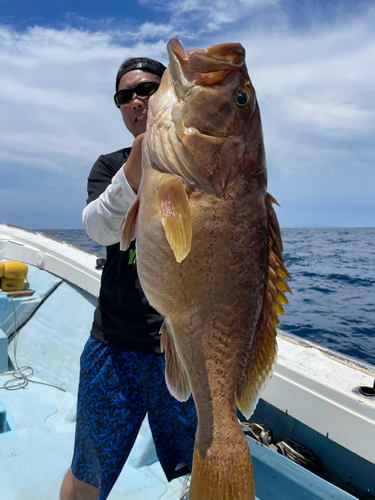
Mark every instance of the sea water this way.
pixel 333 272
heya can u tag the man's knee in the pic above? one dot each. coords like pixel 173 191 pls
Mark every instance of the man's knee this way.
pixel 74 489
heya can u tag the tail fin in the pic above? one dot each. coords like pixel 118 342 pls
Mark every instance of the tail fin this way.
pixel 223 474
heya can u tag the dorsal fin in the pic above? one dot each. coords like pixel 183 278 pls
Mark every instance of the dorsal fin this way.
pixel 263 353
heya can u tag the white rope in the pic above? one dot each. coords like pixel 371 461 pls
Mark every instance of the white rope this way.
pixel 21 375
pixel 185 487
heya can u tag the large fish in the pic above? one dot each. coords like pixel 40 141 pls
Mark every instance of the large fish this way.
pixel 209 253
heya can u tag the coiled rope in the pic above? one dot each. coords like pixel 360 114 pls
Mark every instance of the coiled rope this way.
pixel 21 375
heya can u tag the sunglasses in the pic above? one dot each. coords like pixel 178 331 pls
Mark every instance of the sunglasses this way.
pixel 143 89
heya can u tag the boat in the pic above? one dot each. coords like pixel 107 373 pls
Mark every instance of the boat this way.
pixel 311 436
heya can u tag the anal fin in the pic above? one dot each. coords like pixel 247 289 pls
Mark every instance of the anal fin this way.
pixel 175 374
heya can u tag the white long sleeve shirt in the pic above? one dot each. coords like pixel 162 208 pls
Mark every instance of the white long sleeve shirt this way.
pixel 102 217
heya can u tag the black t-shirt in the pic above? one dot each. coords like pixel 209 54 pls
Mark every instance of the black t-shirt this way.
pixel 123 318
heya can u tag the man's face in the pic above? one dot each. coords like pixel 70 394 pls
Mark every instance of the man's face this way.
pixel 134 113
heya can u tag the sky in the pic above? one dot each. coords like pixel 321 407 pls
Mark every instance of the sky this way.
pixel 312 64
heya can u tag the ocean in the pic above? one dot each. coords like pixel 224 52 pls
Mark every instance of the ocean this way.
pixel 333 272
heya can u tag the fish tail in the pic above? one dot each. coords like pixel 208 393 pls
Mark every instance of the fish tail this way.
pixel 224 475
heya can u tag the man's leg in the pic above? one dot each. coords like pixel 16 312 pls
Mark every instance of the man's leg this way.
pixel 74 489
pixel 173 424
pixel 112 400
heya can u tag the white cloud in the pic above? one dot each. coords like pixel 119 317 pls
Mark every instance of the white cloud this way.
pixel 315 87
pixel 317 101
pixel 151 30
pixel 330 115
pixel 196 17
pixel 56 105
pixel 257 3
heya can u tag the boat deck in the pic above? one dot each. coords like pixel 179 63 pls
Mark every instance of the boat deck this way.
pixel 37 443
pixel 37 451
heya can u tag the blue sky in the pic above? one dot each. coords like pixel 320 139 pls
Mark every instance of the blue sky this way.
pixel 312 64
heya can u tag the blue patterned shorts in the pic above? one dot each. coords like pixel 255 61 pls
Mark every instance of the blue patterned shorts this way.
pixel 117 388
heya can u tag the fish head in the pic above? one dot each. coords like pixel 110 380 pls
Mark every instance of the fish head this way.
pixel 207 116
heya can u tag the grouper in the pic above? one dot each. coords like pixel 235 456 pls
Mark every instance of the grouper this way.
pixel 209 253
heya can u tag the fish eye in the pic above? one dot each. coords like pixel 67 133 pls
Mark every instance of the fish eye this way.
pixel 242 100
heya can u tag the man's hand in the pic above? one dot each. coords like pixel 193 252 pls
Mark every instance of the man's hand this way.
pixel 133 166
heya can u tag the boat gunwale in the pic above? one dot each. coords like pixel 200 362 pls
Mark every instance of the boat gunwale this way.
pixel 345 359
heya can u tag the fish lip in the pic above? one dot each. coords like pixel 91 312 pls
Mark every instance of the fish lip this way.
pixel 181 75
pixel 175 47
pixel 179 59
pixel 204 67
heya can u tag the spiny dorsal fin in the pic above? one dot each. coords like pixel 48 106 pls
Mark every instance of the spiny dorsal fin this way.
pixel 175 374
pixel 175 216
pixel 127 227
pixel 263 353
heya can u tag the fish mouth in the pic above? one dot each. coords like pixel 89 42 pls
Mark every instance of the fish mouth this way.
pixel 204 66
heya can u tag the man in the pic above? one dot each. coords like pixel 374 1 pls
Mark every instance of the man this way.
pixel 122 369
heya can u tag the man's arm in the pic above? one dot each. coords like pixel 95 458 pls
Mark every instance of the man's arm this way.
pixel 102 217
pixel 133 166
pixel 110 196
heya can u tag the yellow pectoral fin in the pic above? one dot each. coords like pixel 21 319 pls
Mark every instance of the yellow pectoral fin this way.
pixel 175 216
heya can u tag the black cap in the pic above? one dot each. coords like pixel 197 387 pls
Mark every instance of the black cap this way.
pixel 144 63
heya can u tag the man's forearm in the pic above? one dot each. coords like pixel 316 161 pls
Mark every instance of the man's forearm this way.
pixel 103 216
